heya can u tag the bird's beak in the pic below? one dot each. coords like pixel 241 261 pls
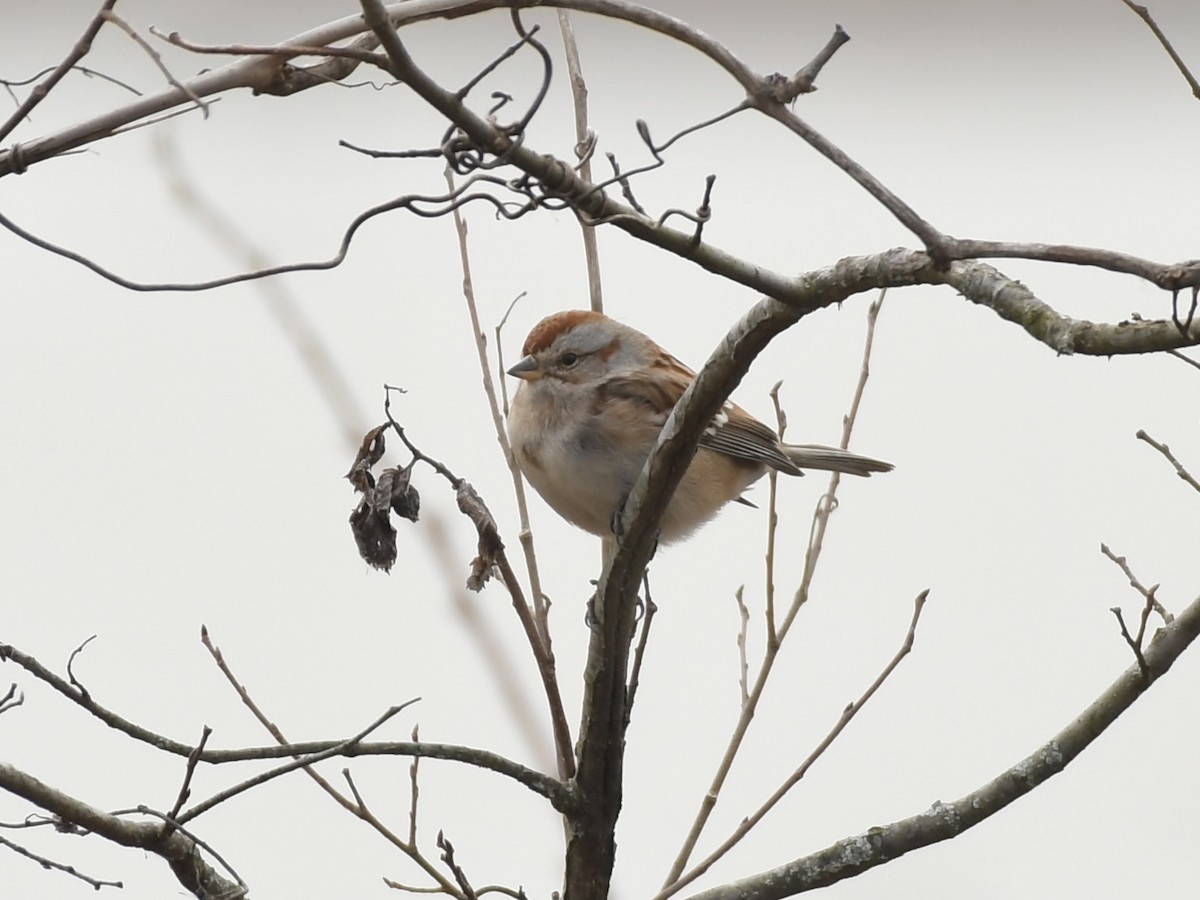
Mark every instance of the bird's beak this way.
pixel 527 370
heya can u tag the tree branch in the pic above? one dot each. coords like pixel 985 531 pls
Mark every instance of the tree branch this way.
pixel 854 855
pixel 551 788
pixel 180 850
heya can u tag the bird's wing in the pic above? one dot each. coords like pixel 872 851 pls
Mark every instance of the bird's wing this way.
pixel 733 431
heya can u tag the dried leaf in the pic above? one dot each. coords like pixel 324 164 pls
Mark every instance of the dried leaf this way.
pixel 374 535
pixel 394 491
pixel 369 453
pixel 490 543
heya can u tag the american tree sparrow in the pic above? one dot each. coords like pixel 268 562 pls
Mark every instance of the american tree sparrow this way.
pixel 594 395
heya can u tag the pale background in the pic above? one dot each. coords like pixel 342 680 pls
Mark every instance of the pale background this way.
pixel 168 461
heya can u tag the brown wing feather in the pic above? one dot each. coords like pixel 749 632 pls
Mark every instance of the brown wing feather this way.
pixel 747 438
pixel 742 438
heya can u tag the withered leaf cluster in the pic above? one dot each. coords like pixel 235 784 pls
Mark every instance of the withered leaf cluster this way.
pixel 392 491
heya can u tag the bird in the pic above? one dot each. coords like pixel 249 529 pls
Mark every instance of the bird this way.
pixel 593 396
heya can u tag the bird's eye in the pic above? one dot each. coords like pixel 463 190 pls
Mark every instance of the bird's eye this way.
pixel 568 359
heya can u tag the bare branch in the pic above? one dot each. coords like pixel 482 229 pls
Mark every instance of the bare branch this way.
pixel 541 612
pixel 71 661
pixel 1134 645
pixel 360 809
pixel 185 789
pixel 1187 359
pixel 847 714
pixel 1166 452
pixel 358 52
pixel 743 627
pixel 1145 16
pixel 180 850
pixel 1170 277
pixel 501 371
pixel 772 526
pixel 414 791
pixel 12 699
pixel 803 82
pixel 1147 593
pixel 302 762
pixel 585 144
pixel 639 654
pixel 854 855
pixel 156 58
pixel 491 553
pixel 45 863
pixel 820 524
pixel 81 49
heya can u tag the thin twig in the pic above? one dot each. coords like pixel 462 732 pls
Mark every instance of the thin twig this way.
pixel 650 608
pixel 81 49
pixel 544 653
pixel 541 614
pixel 773 521
pixel 71 675
pixel 414 791
pixel 1134 644
pixel 456 870
pixel 185 789
pixel 585 144
pixel 847 715
pixel 803 81
pixel 12 699
pixel 341 799
pixel 816 541
pixel 46 863
pixel 501 371
pixel 743 627
pixel 1187 359
pixel 303 762
pixel 283 51
pixel 1148 594
pixel 1145 16
pixel 157 59
pixel 1166 451
pixel 492 551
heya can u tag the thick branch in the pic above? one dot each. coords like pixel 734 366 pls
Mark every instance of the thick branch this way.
pixel 178 849
pixel 854 855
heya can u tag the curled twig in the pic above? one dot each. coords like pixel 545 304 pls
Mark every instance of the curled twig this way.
pixel 71 675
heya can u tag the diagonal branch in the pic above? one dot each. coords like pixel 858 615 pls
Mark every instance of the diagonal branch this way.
pixel 81 49
pixel 1144 15
pixel 854 855
pixel 181 851
pixel 792 780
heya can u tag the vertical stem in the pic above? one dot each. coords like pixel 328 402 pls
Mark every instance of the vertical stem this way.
pixel 585 141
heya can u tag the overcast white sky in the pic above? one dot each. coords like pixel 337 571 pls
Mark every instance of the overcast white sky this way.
pixel 169 461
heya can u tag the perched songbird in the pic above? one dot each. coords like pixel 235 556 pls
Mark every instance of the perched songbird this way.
pixel 594 395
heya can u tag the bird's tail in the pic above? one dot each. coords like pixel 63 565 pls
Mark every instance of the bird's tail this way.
pixel 833 459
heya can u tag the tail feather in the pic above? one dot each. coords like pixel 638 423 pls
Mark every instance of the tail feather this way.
pixel 834 459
